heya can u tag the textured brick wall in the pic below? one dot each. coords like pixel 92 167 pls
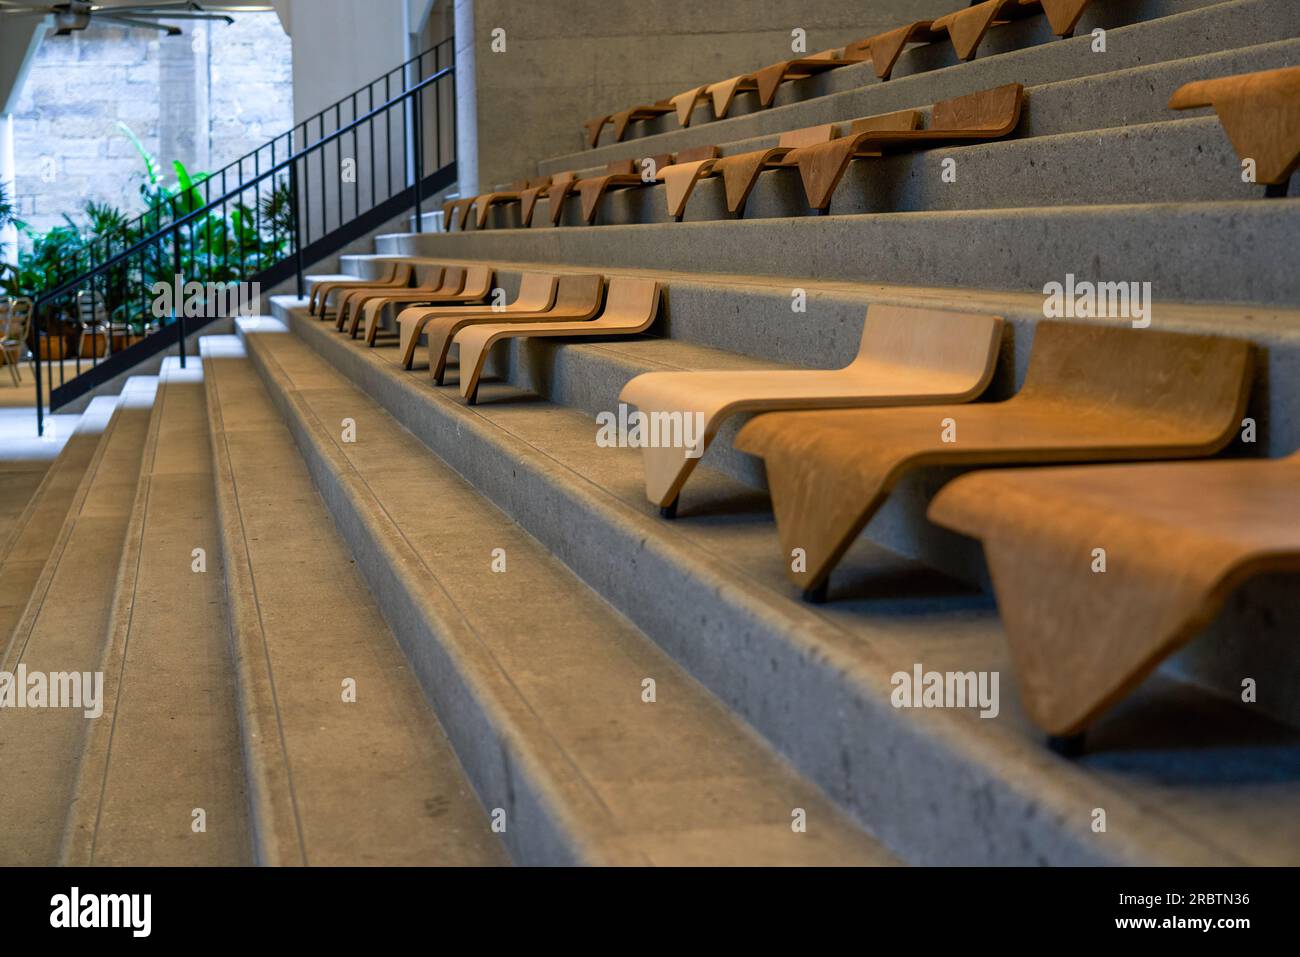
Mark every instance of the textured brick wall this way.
pixel 210 97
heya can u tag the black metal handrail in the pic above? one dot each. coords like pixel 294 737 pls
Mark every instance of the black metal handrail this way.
pixel 298 137
pixel 111 309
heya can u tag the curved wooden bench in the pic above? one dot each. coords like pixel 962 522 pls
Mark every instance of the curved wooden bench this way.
pixel 989 114
pixel 906 356
pixel 622 119
pixel 1178 540
pixel 966 28
pixel 1091 393
pixel 427 279
pixel 630 307
pixel 459 284
pixel 483 203
pixel 390 274
pixel 624 174
pixel 536 293
pixel 884 49
pixel 577 299
pixel 1260 112
pixel 769 79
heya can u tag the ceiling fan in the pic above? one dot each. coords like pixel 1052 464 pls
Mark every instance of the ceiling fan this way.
pixel 74 15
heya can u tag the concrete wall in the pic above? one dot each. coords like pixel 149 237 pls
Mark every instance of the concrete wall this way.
pixel 568 60
pixel 204 98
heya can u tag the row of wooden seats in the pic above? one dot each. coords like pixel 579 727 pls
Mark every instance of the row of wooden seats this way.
pixel 449 306
pixel 821 154
pixel 965 28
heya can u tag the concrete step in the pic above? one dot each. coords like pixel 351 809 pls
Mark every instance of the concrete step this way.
pixel 62 630
pixel 936 786
pixel 161 781
pixel 1190 252
pixel 540 683
pixel 34 531
pixel 927 74
pixel 345 763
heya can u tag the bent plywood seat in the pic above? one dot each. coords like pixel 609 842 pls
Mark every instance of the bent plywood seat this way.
pixel 622 119
pixel 1091 393
pixel 739 172
pixel 989 114
pixel 484 202
pixel 1260 112
pixel 884 49
pixel 630 307
pixel 432 286
pixel 1178 540
pixel 455 212
pixel 906 356
pixel 770 78
pixel 426 280
pixel 624 174
pixel 390 273
pixel 577 299
pixel 966 28
pixel 536 293
pixel 459 284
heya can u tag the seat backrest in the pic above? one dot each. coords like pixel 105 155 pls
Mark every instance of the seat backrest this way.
pixel 428 275
pixel 995 111
pixel 536 292
pixel 631 300
pixel 478 281
pixel 90 306
pixel 579 292
pixel 891 122
pixel 694 155
pixel 1197 380
pixel 21 309
pixel 940 344
pixel 453 279
pixel 623 167
pixel 809 136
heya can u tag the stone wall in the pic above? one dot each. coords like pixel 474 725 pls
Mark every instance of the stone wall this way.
pixel 204 98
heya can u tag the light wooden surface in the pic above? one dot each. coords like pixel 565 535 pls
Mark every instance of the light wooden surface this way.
pixel 1260 113
pixel 966 28
pixel 320 291
pixel 1091 393
pixel 884 49
pixel 475 285
pixel 769 79
pixel 630 307
pixel 906 356
pixel 458 285
pixel 1063 15
pixel 740 171
pixel 536 293
pixel 577 298
pixel 1178 539
pixel 626 174
pixel 428 280
pixel 989 114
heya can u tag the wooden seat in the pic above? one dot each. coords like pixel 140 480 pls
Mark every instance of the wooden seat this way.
pixel 1091 393
pixel 989 114
pixel 426 278
pixel 905 357
pixel 769 79
pixel 631 305
pixel 966 28
pixel 1260 112
pixel 536 293
pixel 624 174
pixel 884 49
pixel 1178 539
pixel 390 274
pixel 622 119
pixel 577 299
pixel 739 172
pixel 15 329
pixel 458 284
pixel 484 202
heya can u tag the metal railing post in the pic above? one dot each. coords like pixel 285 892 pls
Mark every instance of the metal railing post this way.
pixel 297 228
pixel 178 307
pixel 36 359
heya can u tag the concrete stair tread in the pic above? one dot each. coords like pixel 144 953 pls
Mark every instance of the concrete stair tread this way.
pixel 334 782
pixel 167 743
pixel 896 614
pixel 63 629
pixel 672 782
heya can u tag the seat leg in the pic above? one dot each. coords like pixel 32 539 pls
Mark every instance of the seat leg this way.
pixel 472 398
pixel 1069 745
pixel 669 511
pixel 819 593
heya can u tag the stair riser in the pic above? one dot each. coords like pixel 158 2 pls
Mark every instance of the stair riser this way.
pixel 1211 30
pixel 1220 252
